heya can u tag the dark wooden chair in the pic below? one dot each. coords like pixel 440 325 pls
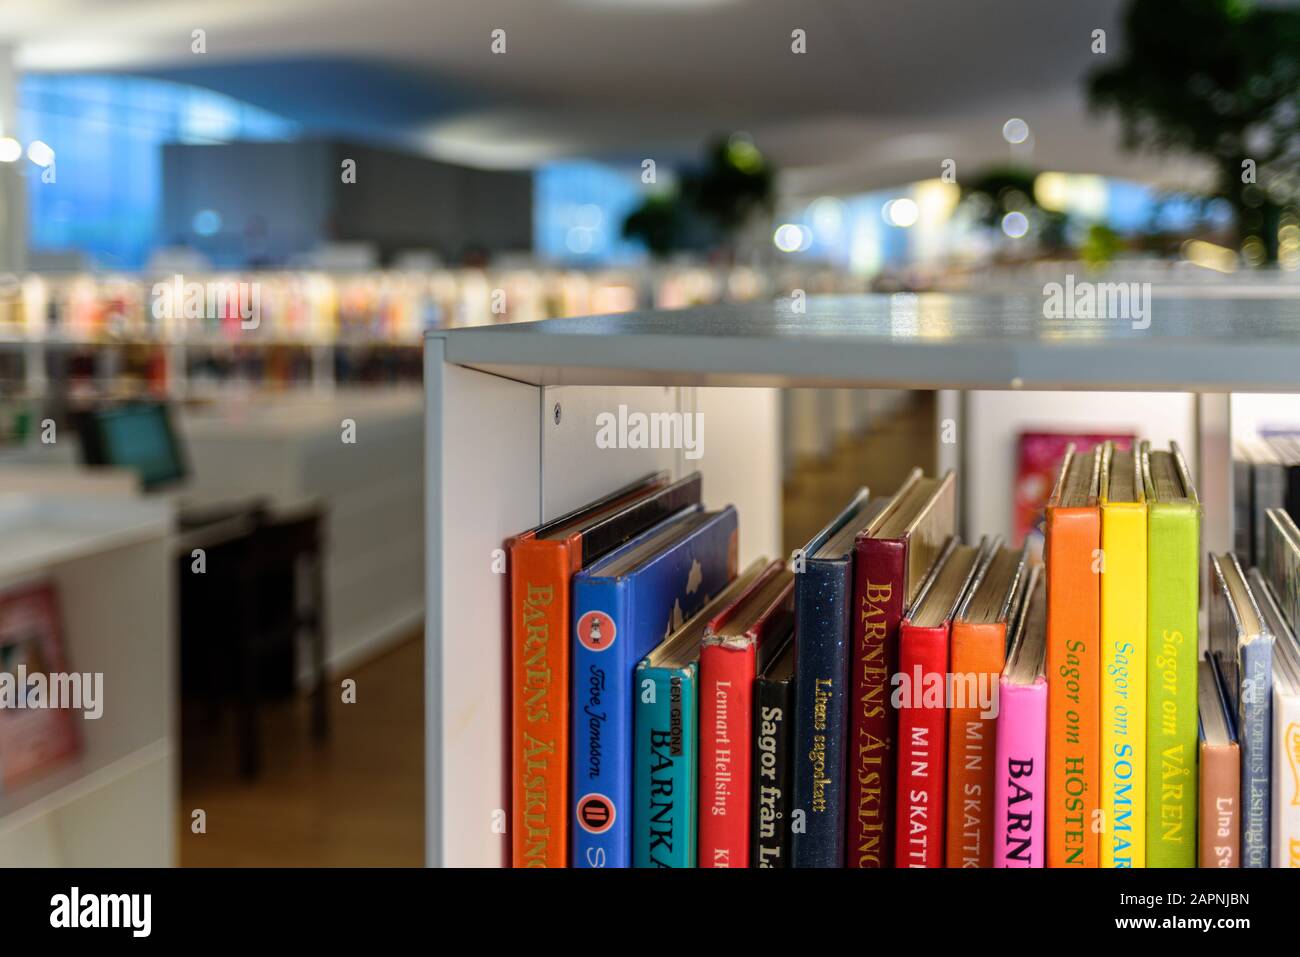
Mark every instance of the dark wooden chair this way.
pixel 242 620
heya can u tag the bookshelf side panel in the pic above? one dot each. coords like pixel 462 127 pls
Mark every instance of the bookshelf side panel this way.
pixel 741 462
pixel 579 463
pixel 482 457
pixel 1213 465
pixel 735 441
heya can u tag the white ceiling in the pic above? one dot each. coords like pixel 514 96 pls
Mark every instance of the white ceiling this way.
pixel 885 92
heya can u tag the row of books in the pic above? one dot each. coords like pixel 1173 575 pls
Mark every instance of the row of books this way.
pixel 892 696
pixel 390 306
pixel 297 308
pixel 1265 475
pixel 1250 707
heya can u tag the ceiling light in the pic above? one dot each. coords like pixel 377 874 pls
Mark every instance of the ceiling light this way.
pixel 1015 130
pixel 579 241
pixel 1015 224
pixel 788 238
pixel 902 212
pixel 827 215
pixel 40 153
pixel 207 222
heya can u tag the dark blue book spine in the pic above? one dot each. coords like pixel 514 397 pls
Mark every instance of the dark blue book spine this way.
pixel 823 602
pixel 1256 726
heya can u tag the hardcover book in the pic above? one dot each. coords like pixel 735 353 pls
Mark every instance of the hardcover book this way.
pixel 1243 504
pixel 1242 648
pixel 1173 605
pixel 33 736
pixel 891 559
pixel 1219 775
pixel 1073 661
pixel 1259 483
pixel 823 606
pixel 1285 768
pixel 921 694
pixel 739 641
pixel 1281 562
pixel 1123 659
pixel 542 562
pixel 666 727
pixel 1286 449
pixel 979 643
pixel 623 606
pixel 1038 461
pixel 1020 785
pixel 773 740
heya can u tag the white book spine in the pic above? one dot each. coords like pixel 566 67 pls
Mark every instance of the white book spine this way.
pixel 1286 780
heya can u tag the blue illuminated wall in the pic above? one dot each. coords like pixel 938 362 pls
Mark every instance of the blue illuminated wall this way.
pixel 107 132
pixel 106 201
pixel 578 213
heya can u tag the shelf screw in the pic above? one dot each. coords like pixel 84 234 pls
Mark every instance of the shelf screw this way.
pixel 557 413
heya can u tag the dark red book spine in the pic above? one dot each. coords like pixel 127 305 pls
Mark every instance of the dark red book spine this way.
pixel 726 722
pixel 878 605
pixel 922 746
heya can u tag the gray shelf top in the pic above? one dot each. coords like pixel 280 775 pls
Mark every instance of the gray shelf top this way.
pixel 931 340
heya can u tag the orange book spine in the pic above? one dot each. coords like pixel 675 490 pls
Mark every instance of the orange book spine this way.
pixel 539 616
pixel 978 654
pixel 1073 685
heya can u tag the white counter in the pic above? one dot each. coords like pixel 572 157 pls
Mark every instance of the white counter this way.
pixel 291 448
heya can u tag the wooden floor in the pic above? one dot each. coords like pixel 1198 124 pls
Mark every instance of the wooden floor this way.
pixel 357 799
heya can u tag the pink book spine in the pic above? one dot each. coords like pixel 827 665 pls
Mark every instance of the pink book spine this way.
pixel 1018 806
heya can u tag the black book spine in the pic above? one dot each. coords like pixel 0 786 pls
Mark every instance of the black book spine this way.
pixel 770 808
pixel 1291 497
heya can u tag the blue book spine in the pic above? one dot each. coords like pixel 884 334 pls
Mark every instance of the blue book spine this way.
pixel 597 723
pixel 665 773
pixel 823 647
pixel 1255 718
pixel 617 621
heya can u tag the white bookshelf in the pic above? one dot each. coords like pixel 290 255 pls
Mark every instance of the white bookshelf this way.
pixel 497 463
pixel 110 562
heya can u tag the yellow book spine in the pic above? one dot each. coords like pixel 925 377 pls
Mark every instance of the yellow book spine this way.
pixel 1123 684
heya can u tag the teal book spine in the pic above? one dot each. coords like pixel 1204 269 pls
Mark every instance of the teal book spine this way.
pixel 665 766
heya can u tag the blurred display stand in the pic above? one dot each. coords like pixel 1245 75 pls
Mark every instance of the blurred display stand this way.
pixel 108 560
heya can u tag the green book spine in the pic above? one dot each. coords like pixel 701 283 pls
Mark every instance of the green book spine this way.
pixel 1172 602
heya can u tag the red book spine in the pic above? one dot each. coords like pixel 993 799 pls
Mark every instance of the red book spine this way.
pixel 878 605
pixel 726 717
pixel 922 746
